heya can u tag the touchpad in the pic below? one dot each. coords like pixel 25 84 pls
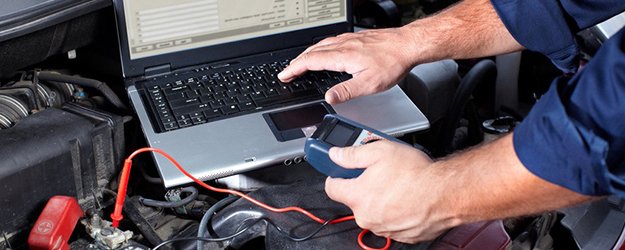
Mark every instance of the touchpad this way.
pixel 298 122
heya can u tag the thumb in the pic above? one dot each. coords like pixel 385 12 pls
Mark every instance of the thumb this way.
pixel 352 157
pixel 343 92
pixel 340 190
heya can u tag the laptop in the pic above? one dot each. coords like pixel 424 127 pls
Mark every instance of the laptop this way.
pixel 201 76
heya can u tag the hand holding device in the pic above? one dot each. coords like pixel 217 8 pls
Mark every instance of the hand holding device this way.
pixel 337 131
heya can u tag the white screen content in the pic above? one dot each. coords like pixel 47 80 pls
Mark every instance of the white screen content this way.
pixel 157 27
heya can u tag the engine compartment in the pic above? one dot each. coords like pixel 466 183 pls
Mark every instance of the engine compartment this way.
pixel 65 130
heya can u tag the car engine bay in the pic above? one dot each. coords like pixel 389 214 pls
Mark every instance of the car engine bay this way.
pixel 71 148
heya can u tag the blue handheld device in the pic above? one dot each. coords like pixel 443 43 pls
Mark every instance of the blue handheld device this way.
pixel 338 131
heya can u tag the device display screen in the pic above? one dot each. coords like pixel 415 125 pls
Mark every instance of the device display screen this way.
pixel 299 118
pixel 340 135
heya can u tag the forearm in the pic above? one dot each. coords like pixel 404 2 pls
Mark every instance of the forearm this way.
pixel 489 182
pixel 469 29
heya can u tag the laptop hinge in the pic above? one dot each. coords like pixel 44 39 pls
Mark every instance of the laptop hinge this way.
pixel 157 70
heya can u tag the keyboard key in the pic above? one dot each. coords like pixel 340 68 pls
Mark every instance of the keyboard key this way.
pixel 206 92
pixel 206 98
pixel 182 117
pixel 233 86
pixel 208 83
pixel 283 90
pixel 196 86
pixel 183 102
pixel 156 93
pixel 163 113
pixel 191 80
pixel 209 114
pixel 176 95
pixel 197 118
pixel 192 94
pixel 259 87
pixel 219 88
pixel 185 123
pixel 273 84
pixel 246 90
pixel 174 90
pixel 220 96
pixel 216 104
pixel 230 101
pixel 233 93
pixel 271 92
pixel 170 126
pixel 248 105
pixel 166 116
pixel 189 109
pixel 257 95
pixel 161 105
pixel 231 109
pixel 295 87
pixel 178 88
pixel 242 99
pixel 168 120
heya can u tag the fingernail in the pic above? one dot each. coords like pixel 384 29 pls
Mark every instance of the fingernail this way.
pixel 335 153
pixel 333 97
pixel 281 75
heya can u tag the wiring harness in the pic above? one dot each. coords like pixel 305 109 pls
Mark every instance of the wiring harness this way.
pixel 117 216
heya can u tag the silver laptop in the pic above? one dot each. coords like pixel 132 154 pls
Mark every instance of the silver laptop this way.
pixel 201 76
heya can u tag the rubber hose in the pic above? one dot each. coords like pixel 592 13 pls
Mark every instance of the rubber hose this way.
pixel 85 82
pixel 203 228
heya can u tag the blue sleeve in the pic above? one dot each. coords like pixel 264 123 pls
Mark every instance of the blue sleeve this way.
pixel 575 134
pixel 548 26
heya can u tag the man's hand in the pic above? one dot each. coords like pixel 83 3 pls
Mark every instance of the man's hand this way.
pixel 376 59
pixel 394 197
pixel 402 194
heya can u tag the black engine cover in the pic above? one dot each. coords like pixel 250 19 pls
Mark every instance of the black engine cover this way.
pixel 307 194
pixel 72 151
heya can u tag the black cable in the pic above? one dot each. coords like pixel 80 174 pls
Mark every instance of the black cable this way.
pixel 86 82
pixel 203 227
pixel 270 222
pixel 206 239
pixel 150 179
pixel 172 204
pixel 110 201
pixel 293 238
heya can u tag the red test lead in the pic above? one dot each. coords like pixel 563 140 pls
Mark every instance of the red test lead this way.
pixel 116 216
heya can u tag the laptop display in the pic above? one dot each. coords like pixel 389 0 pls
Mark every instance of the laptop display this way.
pixel 157 27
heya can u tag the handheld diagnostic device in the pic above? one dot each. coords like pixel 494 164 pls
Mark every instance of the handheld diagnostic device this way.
pixel 337 131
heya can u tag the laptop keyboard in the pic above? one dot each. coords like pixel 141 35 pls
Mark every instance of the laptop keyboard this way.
pixel 196 100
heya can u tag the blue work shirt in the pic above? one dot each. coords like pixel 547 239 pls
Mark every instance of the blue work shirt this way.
pixel 575 134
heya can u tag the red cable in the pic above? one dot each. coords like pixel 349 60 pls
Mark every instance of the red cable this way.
pixel 365 247
pixel 116 216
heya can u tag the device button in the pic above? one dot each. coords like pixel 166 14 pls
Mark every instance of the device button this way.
pixel 170 125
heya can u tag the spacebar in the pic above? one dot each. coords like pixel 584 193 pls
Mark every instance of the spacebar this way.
pixel 288 97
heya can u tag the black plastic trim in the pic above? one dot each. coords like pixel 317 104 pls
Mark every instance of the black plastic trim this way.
pixel 37 17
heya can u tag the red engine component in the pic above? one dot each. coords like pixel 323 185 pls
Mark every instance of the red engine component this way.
pixel 55 224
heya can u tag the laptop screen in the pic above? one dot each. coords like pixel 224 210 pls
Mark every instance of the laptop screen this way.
pixel 156 27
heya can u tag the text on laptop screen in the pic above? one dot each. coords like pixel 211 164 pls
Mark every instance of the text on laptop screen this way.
pixel 157 27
